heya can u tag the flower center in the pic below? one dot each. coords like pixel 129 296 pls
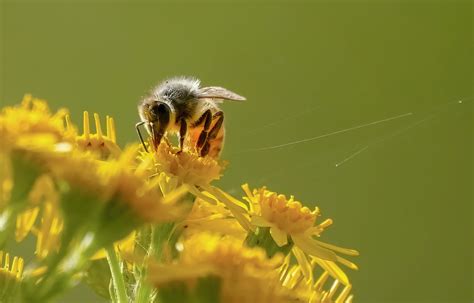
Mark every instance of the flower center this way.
pixel 287 214
pixel 189 167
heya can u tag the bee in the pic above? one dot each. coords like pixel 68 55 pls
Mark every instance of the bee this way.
pixel 181 106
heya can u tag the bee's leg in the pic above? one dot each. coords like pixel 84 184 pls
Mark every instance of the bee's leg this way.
pixel 205 149
pixel 206 118
pixel 213 132
pixel 217 126
pixel 182 134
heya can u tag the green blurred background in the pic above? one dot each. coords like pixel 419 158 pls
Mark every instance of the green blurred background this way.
pixel 307 68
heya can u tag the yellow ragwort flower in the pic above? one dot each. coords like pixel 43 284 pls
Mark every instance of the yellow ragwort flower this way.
pixel 146 188
pixel 32 123
pixel 288 219
pixel 117 179
pixel 28 128
pixel 187 166
pixel 245 274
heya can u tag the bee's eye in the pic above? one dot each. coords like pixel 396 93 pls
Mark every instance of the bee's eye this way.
pixel 161 111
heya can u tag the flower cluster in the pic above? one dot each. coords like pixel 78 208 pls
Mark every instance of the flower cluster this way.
pixel 141 226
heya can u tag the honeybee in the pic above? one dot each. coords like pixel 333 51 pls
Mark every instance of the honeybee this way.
pixel 180 106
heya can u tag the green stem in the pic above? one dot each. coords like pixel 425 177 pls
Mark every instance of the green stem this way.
pixel 117 277
pixel 144 290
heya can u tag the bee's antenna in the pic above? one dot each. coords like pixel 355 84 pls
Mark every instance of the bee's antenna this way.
pixel 137 127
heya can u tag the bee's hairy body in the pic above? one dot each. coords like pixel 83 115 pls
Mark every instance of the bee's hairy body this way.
pixel 181 106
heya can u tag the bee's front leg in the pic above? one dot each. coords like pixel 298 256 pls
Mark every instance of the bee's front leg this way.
pixel 183 128
pixel 137 127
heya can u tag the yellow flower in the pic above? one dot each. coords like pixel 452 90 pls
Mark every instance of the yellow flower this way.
pixel 104 145
pixel 118 179
pixel 87 193
pixel 187 166
pixel 245 274
pixel 26 129
pixel 288 220
pixel 32 123
pixel 10 277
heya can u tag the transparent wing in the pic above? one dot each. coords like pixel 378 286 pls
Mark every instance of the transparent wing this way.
pixel 220 93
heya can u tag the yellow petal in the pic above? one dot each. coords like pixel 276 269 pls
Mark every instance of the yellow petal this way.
pixel 100 254
pixel 321 281
pixel 344 294
pixel 259 221
pixel 86 125
pixel 234 200
pixel 236 209
pixel 302 260
pixel 347 263
pixel 24 223
pixel 247 190
pixel 309 246
pixel 250 197
pixel 98 128
pixel 279 236
pixel 335 271
pixel 346 251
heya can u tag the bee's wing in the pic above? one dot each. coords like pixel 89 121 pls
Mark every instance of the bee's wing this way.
pixel 219 93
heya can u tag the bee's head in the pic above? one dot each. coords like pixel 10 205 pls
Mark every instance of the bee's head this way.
pixel 159 112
